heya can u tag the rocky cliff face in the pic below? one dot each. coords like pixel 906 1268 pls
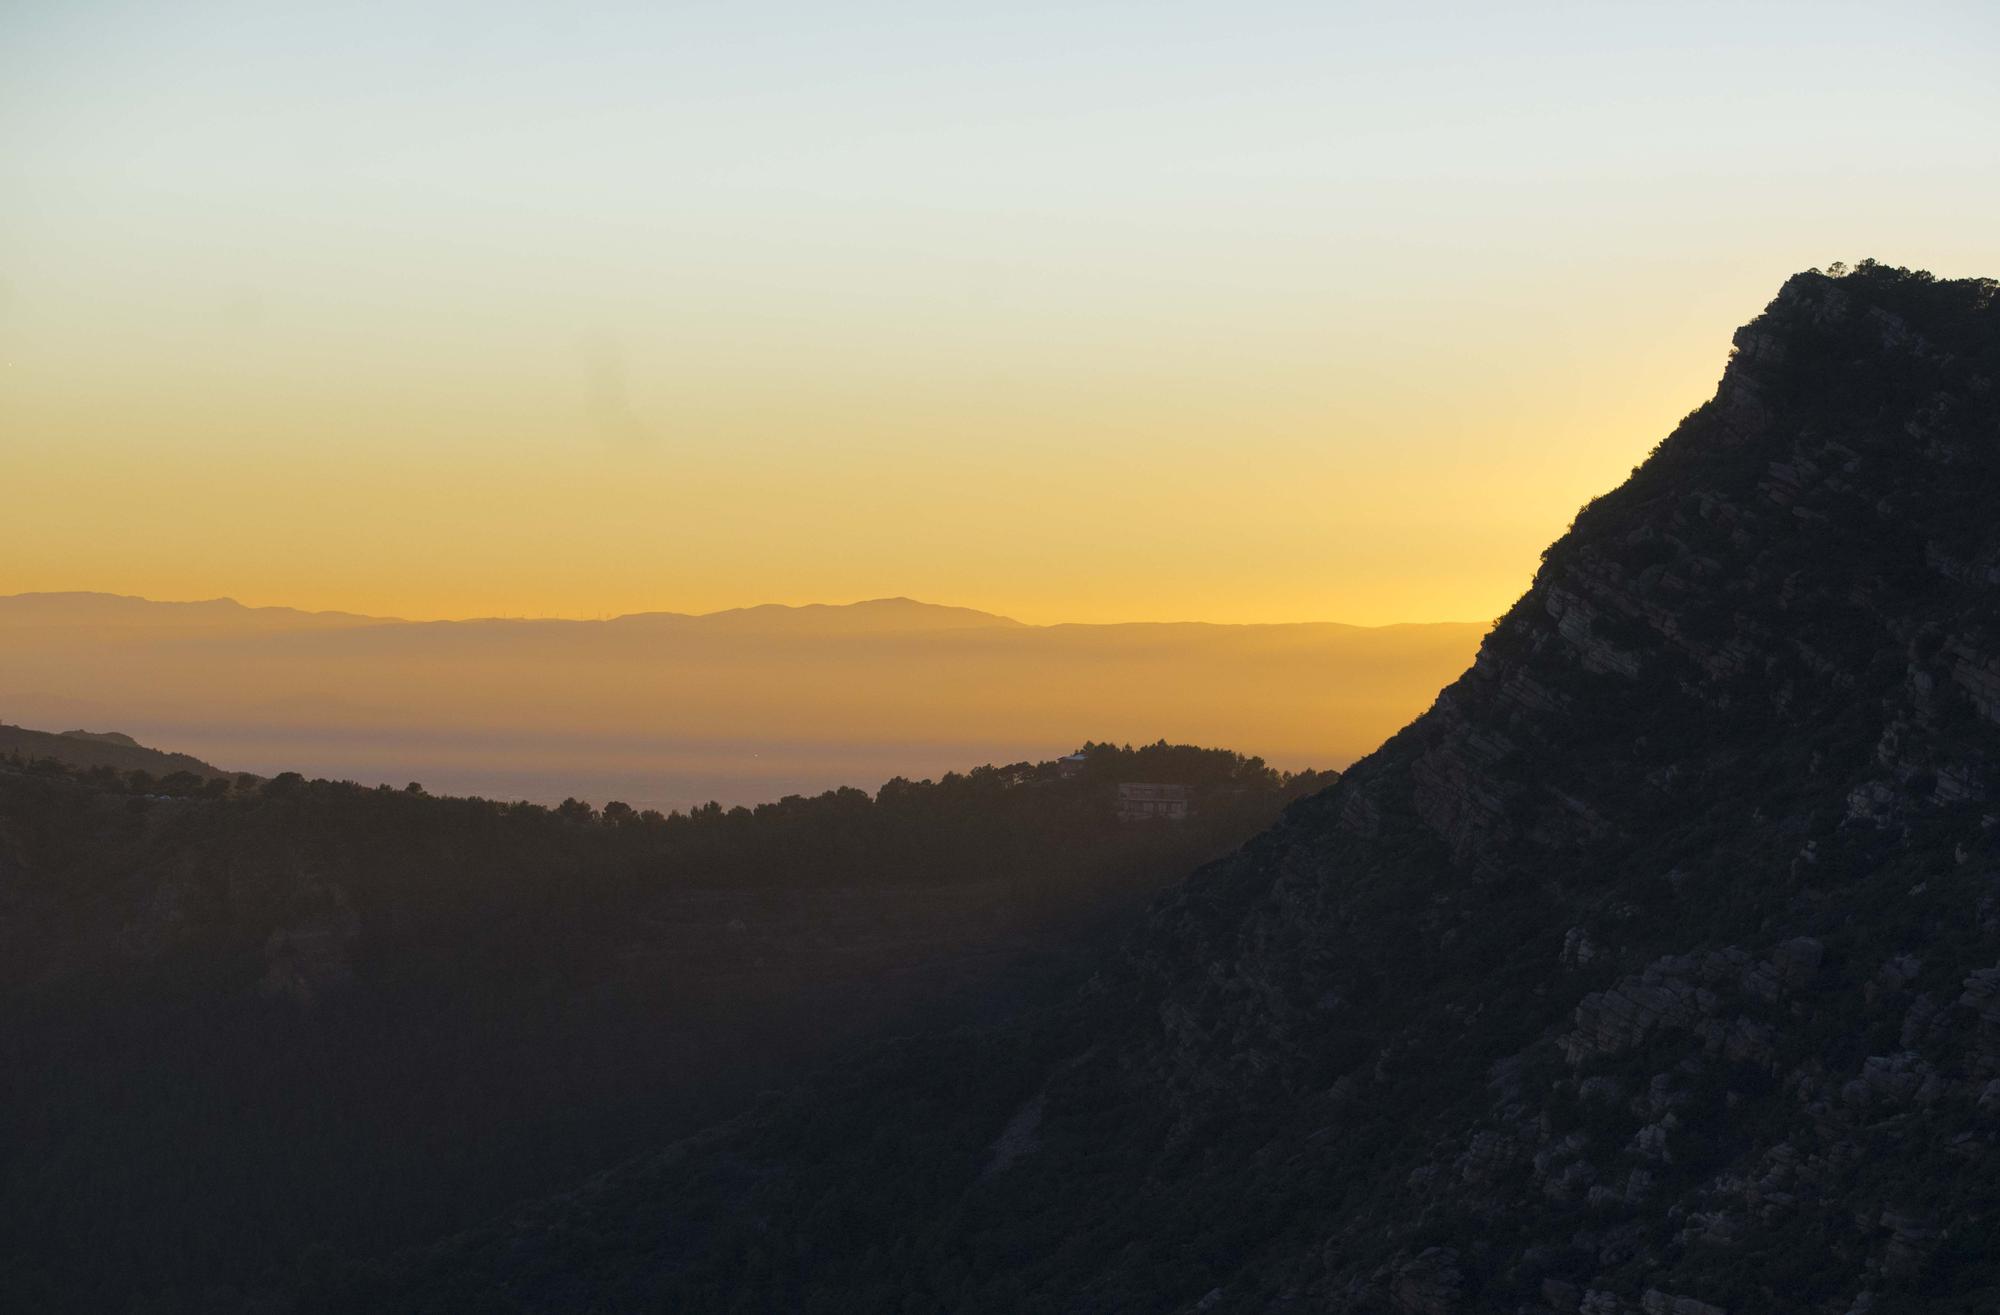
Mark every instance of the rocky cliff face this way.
pixel 1655 969
pixel 1712 818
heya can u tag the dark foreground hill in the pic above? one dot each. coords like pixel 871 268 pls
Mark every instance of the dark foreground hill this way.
pixel 1656 969
pixel 244 1023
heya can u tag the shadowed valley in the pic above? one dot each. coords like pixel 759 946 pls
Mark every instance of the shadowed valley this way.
pixel 244 1018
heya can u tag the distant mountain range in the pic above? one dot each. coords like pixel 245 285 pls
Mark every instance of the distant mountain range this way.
pixel 89 609
pixel 100 611
pixel 667 709
pixel 86 609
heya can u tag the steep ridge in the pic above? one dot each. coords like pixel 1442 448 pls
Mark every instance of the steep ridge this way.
pixel 1655 969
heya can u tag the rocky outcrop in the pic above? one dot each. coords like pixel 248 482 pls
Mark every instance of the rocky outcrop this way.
pixel 1429 1283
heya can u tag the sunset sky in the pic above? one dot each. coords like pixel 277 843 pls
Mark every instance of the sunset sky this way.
pixel 1244 312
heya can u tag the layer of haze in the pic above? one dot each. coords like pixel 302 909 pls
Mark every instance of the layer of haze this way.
pixel 669 711
pixel 1243 312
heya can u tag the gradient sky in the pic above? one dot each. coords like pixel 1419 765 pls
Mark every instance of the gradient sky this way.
pixel 1071 312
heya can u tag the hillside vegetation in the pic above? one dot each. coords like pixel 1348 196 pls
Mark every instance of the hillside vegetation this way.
pixel 242 1020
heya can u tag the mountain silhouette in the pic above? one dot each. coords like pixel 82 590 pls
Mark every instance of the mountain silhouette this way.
pixel 100 749
pixel 81 609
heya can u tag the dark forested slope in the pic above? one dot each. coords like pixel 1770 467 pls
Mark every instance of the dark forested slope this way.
pixel 1656 968
pixel 246 1024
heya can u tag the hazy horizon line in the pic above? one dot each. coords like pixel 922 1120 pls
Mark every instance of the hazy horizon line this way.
pixel 997 617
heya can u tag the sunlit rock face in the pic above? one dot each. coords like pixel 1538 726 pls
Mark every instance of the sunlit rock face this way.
pixel 1652 970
